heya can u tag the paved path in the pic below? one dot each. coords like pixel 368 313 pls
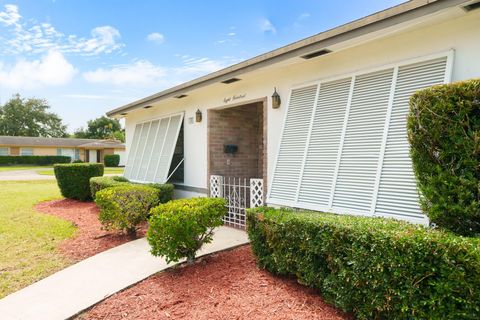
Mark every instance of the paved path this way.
pixel 26 175
pixel 78 287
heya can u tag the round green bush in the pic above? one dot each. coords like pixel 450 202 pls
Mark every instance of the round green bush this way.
pixel 124 207
pixel 444 134
pixel 179 228
pixel 74 179
pixel 111 160
pixel 100 183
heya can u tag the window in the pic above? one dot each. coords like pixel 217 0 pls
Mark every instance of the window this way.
pixel 4 151
pixel 77 154
pixel 59 151
pixel 344 146
pixel 152 148
pixel 26 151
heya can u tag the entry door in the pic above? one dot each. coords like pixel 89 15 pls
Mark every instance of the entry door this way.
pixel 92 156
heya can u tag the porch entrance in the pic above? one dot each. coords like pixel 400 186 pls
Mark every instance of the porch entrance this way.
pixel 238 158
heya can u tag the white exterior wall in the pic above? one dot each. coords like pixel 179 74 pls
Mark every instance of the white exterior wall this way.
pixel 460 34
pixel 123 158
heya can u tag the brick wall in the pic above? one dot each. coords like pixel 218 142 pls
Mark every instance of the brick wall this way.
pixel 242 126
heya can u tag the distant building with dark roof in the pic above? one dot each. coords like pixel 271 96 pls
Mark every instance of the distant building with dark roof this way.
pixel 88 150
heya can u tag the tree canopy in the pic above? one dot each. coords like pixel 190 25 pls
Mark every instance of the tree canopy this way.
pixel 30 117
pixel 101 128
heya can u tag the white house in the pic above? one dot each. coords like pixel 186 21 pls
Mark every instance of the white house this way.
pixel 336 143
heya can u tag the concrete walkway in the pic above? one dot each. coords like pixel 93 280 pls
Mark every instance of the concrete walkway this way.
pixel 78 287
pixel 27 175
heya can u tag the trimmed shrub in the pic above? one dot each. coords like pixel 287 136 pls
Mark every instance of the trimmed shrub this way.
pixel 376 268
pixel 34 160
pixel 124 207
pixel 444 134
pixel 120 179
pixel 165 191
pixel 179 228
pixel 77 161
pixel 111 160
pixel 100 183
pixel 74 179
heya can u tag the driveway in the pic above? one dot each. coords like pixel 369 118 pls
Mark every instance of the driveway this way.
pixel 23 175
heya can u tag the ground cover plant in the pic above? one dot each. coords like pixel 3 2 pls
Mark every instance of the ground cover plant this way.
pixel 376 268
pixel 28 239
pixel 74 179
pixel 444 134
pixel 179 228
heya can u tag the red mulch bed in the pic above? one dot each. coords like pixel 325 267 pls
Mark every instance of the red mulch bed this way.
pixel 90 238
pixel 227 285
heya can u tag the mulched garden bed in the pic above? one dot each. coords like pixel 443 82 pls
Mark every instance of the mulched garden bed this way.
pixel 90 238
pixel 227 285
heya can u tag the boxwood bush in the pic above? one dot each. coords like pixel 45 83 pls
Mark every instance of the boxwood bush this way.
pixel 376 268
pixel 74 179
pixel 444 134
pixel 165 191
pixel 124 207
pixel 34 160
pixel 99 183
pixel 179 228
pixel 111 160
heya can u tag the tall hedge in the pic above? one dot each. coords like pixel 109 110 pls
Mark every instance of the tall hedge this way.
pixel 34 160
pixel 111 160
pixel 74 179
pixel 444 134
pixel 375 268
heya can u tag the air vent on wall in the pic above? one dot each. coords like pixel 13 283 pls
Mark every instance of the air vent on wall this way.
pixel 472 6
pixel 231 80
pixel 180 96
pixel 316 54
pixel 147 107
pixel 123 114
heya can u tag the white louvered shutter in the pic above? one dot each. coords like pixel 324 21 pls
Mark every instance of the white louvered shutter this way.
pixel 157 149
pixel 152 150
pixel 321 157
pixel 397 194
pixel 292 147
pixel 168 149
pixel 363 138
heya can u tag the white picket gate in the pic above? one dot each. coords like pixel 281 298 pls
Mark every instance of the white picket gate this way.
pixel 240 193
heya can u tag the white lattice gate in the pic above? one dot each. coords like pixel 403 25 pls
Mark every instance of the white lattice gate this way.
pixel 240 193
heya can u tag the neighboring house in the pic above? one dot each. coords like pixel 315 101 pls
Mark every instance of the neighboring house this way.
pixel 87 150
pixel 338 140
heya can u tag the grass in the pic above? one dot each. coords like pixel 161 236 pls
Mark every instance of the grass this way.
pixel 108 170
pixel 24 167
pixel 28 240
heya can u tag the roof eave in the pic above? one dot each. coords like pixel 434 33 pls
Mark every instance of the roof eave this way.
pixel 377 21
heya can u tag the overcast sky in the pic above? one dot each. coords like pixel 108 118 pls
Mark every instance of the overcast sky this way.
pixel 89 56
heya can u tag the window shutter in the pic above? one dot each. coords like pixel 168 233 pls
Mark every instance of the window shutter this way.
pixel 361 149
pixel 321 157
pixel 292 147
pixel 152 149
pixel 397 194
pixel 132 152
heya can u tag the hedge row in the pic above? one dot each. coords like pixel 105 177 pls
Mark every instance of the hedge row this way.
pixel 444 134
pixel 34 160
pixel 100 183
pixel 375 268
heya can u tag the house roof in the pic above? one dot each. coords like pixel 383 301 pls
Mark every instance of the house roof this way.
pixel 59 142
pixel 375 22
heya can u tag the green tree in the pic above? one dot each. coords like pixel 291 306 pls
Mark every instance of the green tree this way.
pixel 30 118
pixel 101 128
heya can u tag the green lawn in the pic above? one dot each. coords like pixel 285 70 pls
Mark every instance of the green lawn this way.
pixel 109 170
pixel 28 240
pixel 12 168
